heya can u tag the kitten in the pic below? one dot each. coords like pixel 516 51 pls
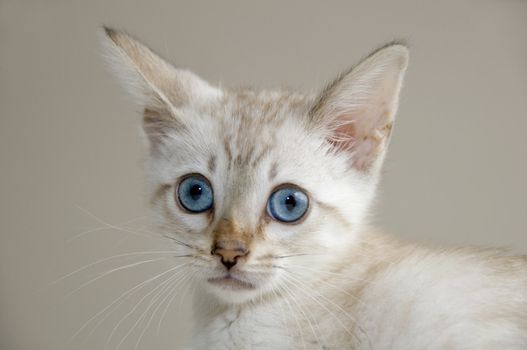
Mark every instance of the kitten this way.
pixel 265 194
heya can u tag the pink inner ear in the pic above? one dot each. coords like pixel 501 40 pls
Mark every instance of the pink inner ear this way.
pixel 362 153
pixel 364 137
pixel 359 107
pixel 344 135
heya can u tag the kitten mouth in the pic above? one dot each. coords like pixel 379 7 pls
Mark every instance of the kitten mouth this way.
pixel 229 282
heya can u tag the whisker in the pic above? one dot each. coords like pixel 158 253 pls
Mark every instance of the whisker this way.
pixel 295 318
pixel 146 252
pixel 178 241
pixel 335 305
pixel 343 276
pixel 181 242
pixel 123 295
pixel 152 302
pixel 167 236
pixel 292 295
pixel 160 285
pixel 282 316
pixel 162 317
pixel 77 236
pixel 135 307
pixel 107 315
pixel 125 238
pixel 354 297
pixel 106 273
pixel 199 257
pixel 171 291
pixel 293 255
pixel 328 310
pixel 337 288
pixel 114 227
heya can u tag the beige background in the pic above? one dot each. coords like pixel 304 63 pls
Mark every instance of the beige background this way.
pixel 69 138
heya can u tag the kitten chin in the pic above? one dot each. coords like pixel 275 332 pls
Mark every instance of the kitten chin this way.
pixel 264 197
pixel 236 288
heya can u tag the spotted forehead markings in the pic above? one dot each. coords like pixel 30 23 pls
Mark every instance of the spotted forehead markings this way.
pixel 212 163
pixel 244 155
pixel 273 171
pixel 227 148
pixel 258 158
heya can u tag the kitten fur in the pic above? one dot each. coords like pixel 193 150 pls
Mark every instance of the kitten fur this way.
pixel 328 281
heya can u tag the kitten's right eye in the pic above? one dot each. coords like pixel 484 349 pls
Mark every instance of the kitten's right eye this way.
pixel 288 204
pixel 194 194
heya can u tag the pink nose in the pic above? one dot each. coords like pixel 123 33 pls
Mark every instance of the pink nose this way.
pixel 229 252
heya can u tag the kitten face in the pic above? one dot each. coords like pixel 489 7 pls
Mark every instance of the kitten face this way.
pixel 247 145
pixel 218 157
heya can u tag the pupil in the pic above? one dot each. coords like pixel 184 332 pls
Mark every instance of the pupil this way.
pixel 290 202
pixel 195 192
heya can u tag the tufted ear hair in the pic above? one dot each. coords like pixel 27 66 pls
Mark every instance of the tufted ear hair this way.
pixel 156 85
pixel 358 109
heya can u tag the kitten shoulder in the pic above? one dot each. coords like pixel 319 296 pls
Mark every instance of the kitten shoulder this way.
pixel 414 297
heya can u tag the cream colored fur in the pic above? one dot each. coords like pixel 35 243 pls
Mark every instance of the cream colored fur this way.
pixel 329 281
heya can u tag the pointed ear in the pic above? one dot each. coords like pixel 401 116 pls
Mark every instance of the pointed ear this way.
pixel 160 88
pixel 358 109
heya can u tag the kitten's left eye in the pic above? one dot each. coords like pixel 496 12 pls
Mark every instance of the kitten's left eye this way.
pixel 288 204
pixel 195 194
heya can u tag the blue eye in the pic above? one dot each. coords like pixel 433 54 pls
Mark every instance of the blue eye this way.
pixel 195 194
pixel 288 204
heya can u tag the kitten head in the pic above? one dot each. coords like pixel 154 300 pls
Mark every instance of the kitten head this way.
pixel 261 189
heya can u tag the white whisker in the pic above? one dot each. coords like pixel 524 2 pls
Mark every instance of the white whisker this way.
pixel 155 298
pixel 146 252
pixel 171 291
pixel 163 314
pixel 123 295
pixel 117 228
pixel 136 306
pixel 295 318
pixel 101 228
pixel 353 320
pixel 106 273
pixel 299 305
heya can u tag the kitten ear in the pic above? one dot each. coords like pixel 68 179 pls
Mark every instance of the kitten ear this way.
pixel 358 108
pixel 160 88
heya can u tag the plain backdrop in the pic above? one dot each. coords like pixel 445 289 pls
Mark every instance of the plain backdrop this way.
pixel 71 155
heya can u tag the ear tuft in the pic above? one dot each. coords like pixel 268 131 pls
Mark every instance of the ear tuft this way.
pixel 358 109
pixel 112 33
pixel 154 82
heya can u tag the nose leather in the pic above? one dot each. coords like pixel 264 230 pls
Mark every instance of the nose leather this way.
pixel 229 252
